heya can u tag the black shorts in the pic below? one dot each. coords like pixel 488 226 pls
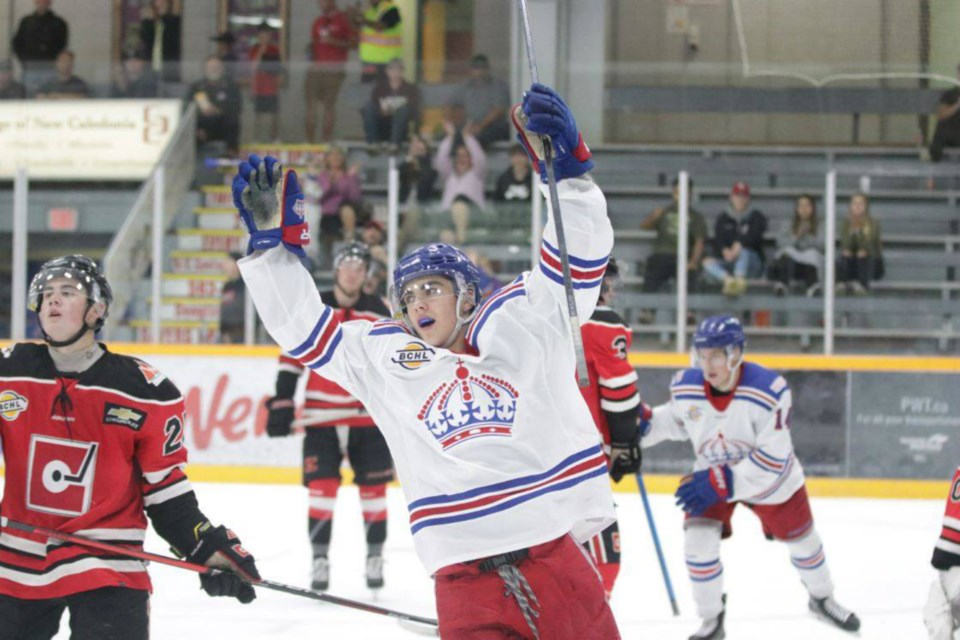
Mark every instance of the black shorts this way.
pixel 331 225
pixel 266 104
pixel 366 450
pixel 107 613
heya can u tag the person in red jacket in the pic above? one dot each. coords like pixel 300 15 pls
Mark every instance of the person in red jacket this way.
pixel 331 38
pixel 614 401
pixel 92 442
pixel 336 423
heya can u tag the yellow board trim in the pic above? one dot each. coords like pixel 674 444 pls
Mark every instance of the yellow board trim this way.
pixel 233 233
pixel 220 211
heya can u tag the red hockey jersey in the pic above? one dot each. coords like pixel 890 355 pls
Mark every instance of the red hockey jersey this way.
pixel 83 455
pixel 327 404
pixel 947 552
pixel 613 393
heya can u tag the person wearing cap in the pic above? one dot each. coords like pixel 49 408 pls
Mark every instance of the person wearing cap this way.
pixel 381 37
pixel 10 89
pixel 134 78
pixel 479 106
pixel 224 51
pixel 267 71
pixel 393 106
pixel 160 32
pixel 738 243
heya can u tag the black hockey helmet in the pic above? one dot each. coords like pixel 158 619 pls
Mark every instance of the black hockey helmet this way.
pixel 85 275
pixel 353 251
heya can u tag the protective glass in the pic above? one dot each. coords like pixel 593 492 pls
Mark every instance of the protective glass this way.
pixel 426 290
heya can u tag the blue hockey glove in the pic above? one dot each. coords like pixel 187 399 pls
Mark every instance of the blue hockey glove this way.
pixel 270 204
pixel 644 416
pixel 544 113
pixel 703 489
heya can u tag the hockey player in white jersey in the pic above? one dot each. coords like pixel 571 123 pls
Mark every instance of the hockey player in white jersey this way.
pixel 736 415
pixel 497 453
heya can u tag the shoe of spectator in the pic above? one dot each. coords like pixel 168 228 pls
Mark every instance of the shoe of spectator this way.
pixel 779 289
pixel 813 290
pixel 729 286
pixel 739 286
pixel 646 317
pixel 841 289
pixel 373 149
pixel 858 288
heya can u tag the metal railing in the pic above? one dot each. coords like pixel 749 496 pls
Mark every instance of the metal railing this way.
pixel 138 245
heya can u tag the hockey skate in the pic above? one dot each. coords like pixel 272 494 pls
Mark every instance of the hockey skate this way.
pixel 374 572
pixel 712 628
pixel 321 574
pixel 830 611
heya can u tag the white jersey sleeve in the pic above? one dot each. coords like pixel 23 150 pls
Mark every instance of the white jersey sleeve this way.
pixel 664 425
pixel 772 458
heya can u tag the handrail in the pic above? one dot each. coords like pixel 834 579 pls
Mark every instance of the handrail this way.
pixel 129 255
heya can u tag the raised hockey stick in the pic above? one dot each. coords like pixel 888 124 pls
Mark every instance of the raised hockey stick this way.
pixel 425 626
pixel 582 379
pixel 656 544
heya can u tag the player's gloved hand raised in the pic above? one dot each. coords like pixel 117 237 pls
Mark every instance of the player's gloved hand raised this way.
pixel 279 417
pixel 270 204
pixel 220 548
pixel 544 113
pixel 702 489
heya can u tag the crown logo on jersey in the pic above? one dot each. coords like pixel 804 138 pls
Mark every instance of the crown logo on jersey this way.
pixel 723 450
pixel 468 407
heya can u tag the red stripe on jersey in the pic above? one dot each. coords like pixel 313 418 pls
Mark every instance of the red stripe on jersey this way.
pixel 290 362
pixel 951 535
pixel 618 394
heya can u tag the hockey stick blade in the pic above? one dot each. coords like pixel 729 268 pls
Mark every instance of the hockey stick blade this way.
pixel 406 620
pixel 582 377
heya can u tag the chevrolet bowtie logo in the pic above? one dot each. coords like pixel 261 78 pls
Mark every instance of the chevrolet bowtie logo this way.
pixel 122 413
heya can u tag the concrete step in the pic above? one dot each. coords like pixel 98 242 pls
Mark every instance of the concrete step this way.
pixel 178 332
pixel 217 195
pixel 192 285
pixel 191 309
pixel 211 240
pixel 217 218
pixel 198 262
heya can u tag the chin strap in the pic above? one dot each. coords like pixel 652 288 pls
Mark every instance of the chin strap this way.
pixel 460 320
pixel 79 334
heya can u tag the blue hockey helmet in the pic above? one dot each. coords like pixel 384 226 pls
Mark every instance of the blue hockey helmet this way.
pixel 718 332
pixel 438 259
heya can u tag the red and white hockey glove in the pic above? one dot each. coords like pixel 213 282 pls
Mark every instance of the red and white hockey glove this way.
pixel 702 489
pixel 270 204
pixel 544 113
pixel 220 548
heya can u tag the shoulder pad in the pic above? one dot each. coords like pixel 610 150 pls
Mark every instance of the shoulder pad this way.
pixel 763 379
pixel 608 316
pixel 687 377
pixel 26 359
pixel 137 378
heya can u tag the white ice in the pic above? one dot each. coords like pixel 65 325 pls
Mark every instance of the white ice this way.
pixel 878 551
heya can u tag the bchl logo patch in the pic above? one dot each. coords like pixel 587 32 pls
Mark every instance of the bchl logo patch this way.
pixel 413 356
pixel 12 405
pixel 123 416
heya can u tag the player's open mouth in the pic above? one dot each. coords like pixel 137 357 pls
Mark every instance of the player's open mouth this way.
pixel 423 323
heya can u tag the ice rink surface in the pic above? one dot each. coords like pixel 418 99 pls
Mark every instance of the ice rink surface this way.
pixel 878 551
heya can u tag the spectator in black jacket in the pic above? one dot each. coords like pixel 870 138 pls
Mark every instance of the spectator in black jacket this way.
pixel 513 185
pixel 160 32
pixel 738 243
pixel 393 106
pixel 64 85
pixel 10 89
pixel 40 38
pixel 218 102
pixel 134 79
pixel 418 188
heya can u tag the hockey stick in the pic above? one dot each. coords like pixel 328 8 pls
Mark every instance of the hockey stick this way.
pixel 656 544
pixel 582 379
pixel 427 626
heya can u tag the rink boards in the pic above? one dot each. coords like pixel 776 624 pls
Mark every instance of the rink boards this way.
pixel 862 425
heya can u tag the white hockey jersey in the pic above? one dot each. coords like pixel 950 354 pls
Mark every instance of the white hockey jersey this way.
pixel 749 430
pixel 496 451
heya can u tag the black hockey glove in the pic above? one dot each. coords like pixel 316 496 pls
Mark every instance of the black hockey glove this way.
pixel 625 457
pixel 279 417
pixel 220 548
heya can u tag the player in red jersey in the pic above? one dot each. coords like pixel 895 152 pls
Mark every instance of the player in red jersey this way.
pixel 93 443
pixel 336 423
pixel 613 399
pixel 942 612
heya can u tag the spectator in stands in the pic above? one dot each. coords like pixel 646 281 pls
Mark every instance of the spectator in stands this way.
pixel 41 37
pixel 418 188
pixel 489 282
pixel 160 33
pixel 267 74
pixel 331 38
pixel 224 51
pixel 218 102
pixel 738 243
pixel 661 265
pixel 861 257
pixel 481 103
pixel 340 201
pixel 947 132
pixel 513 185
pixel 65 85
pixel 381 37
pixel 462 166
pixel 10 89
pixel 393 106
pixel 799 250
pixel 134 78
pixel 232 301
